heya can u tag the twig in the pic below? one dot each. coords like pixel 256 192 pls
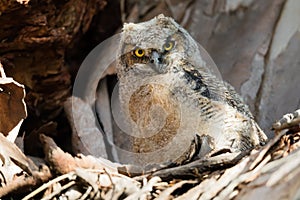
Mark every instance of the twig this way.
pixel 112 183
pixel 287 121
pixel 266 148
pixel 87 192
pixel 50 196
pixel 46 185
pixel 147 188
pixel 2 73
pixel 24 184
pixel 198 167
pixel 17 185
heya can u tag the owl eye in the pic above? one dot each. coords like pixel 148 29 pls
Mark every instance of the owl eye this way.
pixel 168 45
pixel 139 52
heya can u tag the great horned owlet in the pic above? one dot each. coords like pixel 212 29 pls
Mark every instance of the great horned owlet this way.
pixel 172 104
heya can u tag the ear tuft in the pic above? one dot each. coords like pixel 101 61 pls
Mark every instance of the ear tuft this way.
pixel 128 26
pixel 160 16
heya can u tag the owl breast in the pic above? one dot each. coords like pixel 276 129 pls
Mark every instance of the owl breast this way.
pixel 155 116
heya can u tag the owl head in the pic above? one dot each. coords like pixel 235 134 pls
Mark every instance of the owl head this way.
pixel 151 47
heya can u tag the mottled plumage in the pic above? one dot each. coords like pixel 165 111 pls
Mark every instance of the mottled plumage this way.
pixel 174 105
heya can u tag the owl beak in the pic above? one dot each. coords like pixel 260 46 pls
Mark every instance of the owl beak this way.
pixel 158 61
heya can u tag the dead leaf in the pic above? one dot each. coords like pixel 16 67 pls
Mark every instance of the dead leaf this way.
pixel 13 161
pixel 12 106
pixel 64 162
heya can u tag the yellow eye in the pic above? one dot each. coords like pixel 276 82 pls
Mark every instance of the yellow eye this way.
pixel 139 52
pixel 168 45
